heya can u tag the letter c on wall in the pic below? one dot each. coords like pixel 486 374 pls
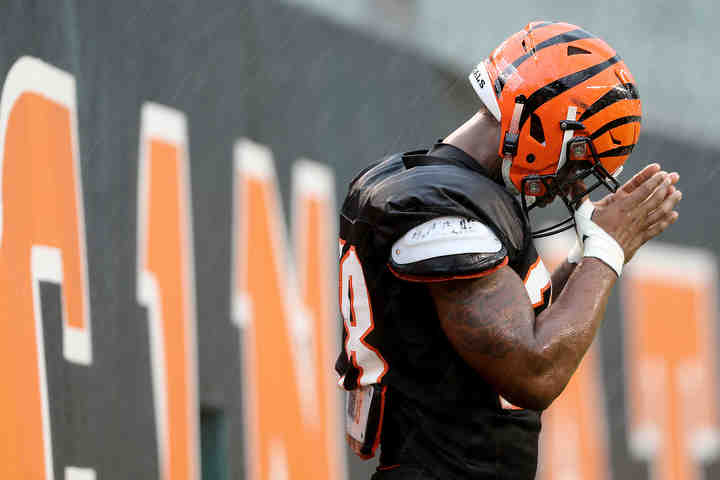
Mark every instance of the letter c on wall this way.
pixel 42 239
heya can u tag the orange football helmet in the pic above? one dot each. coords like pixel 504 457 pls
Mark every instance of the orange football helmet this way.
pixel 568 108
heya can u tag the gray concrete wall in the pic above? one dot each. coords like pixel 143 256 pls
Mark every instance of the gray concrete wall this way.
pixel 669 46
pixel 304 86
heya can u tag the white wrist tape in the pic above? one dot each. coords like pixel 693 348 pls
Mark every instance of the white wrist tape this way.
pixel 586 209
pixel 576 252
pixel 595 241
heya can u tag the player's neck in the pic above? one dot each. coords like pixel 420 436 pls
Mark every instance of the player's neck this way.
pixel 479 137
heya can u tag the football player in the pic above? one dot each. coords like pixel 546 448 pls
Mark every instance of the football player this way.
pixel 456 336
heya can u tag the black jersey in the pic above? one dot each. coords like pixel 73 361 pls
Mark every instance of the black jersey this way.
pixel 438 412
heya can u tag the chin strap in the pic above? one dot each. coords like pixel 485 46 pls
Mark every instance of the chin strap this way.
pixel 510 143
pixel 593 241
pixel 567 135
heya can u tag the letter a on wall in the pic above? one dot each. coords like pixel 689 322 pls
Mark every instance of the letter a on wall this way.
pixel 669 300
pixel 285 317
pixel 166 286
pixel 42 239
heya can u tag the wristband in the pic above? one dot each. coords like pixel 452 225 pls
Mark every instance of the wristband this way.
pixel 596 242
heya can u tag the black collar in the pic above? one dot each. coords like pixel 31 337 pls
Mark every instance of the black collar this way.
pixel 443 153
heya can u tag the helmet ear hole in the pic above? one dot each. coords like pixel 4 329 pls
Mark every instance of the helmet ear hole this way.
pixel 536 129
pixel 573 50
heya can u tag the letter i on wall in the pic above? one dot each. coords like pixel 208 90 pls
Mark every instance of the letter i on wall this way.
pixel 166 286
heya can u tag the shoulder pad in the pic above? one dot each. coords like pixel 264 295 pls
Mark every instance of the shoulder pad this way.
pixel 446 248
pixel 391 198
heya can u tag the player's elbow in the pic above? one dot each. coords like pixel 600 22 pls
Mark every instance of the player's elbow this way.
pixel 535 394
pixel 550 377
pixel 539 387
pixel 543 392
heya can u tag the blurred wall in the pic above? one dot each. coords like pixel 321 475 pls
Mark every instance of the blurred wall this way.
pixel 126 210
pixel 667 45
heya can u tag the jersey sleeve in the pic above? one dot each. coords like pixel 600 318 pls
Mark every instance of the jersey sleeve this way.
pixel 447 248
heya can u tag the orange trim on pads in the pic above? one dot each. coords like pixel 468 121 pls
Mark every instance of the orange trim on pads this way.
pixel 387 467
pixel 415 278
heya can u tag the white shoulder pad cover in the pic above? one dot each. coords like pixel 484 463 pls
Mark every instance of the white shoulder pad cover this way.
pixel 447 247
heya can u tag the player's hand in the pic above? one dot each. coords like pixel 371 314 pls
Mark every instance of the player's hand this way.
pixel 641 209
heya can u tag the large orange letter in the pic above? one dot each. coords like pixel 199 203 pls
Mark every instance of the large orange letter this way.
pixel 42 239
pixel 286 321
pixel 166 286
pixel 670 312
pixel 314 233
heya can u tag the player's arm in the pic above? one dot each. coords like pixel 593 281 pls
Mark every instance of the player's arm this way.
pixel 560 276
pixel 491 324
pixel 529 360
